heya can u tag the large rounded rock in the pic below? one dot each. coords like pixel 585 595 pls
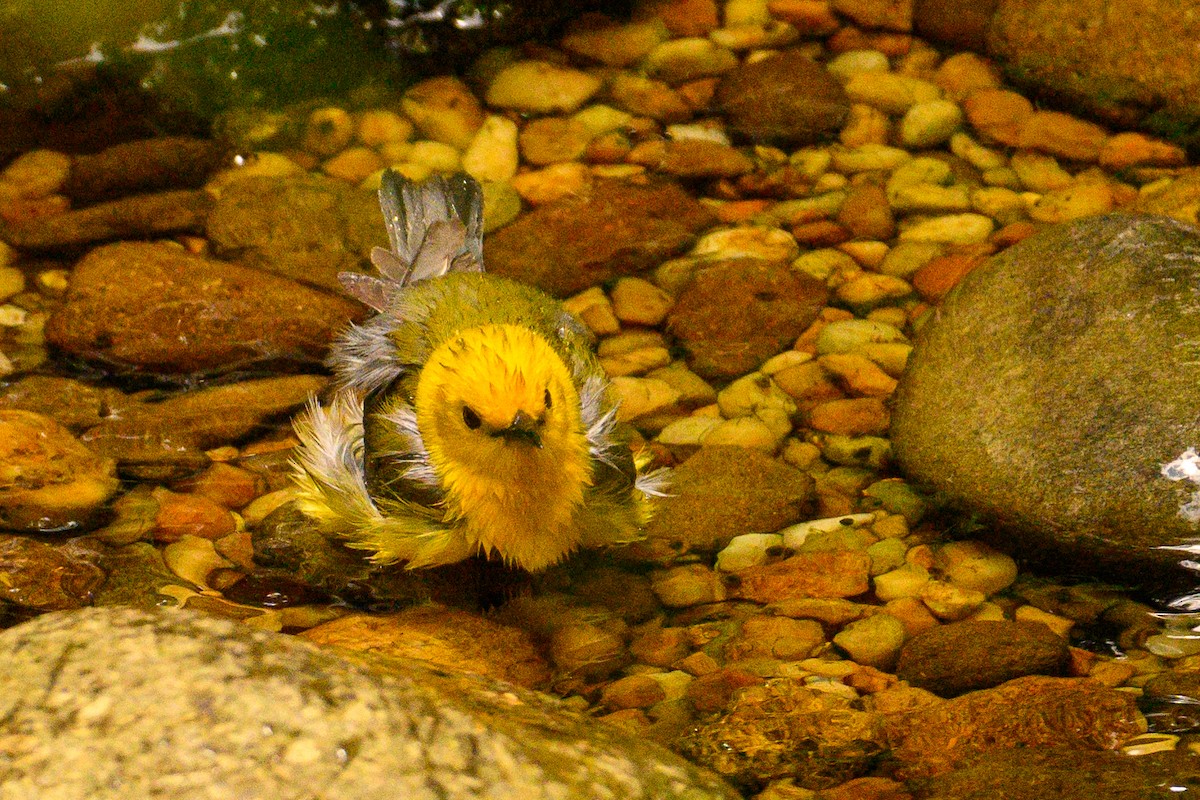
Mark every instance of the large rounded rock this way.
pixel 788 98
pixel 157 308
pixel 1131 62
pixel 208 708
pixel 1054 384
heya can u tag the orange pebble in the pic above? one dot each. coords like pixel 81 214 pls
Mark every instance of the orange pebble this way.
pixel 823 233
pixel 943 273
pixel 189 514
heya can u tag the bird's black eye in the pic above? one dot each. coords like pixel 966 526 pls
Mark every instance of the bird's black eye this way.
pixel 471 418
pixel 548 401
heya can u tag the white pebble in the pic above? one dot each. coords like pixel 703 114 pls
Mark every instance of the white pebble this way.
pixel 845 66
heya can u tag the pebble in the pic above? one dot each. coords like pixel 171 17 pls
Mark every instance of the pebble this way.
pixel 975 565
pixel 492 155
pixel 49 481
pixel 1074 202
pixel 594 309
pixel 327 131
pixel 661 647
pixel 687 586
pixel 686 59
pixel 873 641
pixel 186 514
pixel 998 115
pixel 949 601
pixel 930 123
pixel 783 638
pixel 225 484
pixel 950 229
pixel 632 691
pixel 616 45
pixel 539 87
pixel 760 432
pixel 642 396
pixel 858 375
pixel 1062 135
pixel 647 97
pixel 555 182
pixel 890 92
pixel 194 558
pixel 434 156
pixel 845 336
pixel 846 65
pixel 549 140
pixel 353 164
pixel 747 550
pixel 444 109
pixel 1123 150
pixel 586 650
pixel 37 173
pixel 872 289
pixel 828 573
pixel 943 273
pixel 903 582
pixel 867 158
pixel 1059 624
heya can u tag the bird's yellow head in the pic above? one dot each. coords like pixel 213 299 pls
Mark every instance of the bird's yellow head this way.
pixel 500 418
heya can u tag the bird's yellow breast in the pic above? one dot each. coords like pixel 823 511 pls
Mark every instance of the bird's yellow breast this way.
pixel 500 418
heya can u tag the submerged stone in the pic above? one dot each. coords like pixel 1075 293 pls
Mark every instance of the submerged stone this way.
pixel 1053 386
pixel 211 708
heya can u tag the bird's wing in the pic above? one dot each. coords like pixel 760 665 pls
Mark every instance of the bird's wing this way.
pixel 416 216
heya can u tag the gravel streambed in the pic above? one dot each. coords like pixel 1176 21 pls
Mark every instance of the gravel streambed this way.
pixel 800 619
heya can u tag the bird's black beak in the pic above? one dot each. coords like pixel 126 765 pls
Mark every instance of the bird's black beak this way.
pixel 523 428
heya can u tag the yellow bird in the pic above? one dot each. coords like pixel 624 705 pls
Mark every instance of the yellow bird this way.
pixel 471 416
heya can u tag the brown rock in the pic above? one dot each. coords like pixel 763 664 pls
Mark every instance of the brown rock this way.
pixel 49 482
pixel 1034 713
pixel 1065 774
pixel 71 403
pixel 892 15
pixel 866 213
pixel 787 98
pixel 998 115
pixel 307 228
pixel 444 636
pixel 148 165
pixel 660 648
pixel 1130 63
pixel 144 216
pixel 156 307
pixel 827 573
pixel 550 140
pixel 182 515
pixel 632 691
pixel 734 315
pixel 775 637
pixel 692 158
pixel 721 492
pixel 964 656
pixel 1062 135
pixel 711 691
pixel 41 577
pixel 616 229
pixel 961 23
pixel 167 439
pixel 857 416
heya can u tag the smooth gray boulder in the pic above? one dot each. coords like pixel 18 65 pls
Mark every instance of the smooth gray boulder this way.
pixel 1052 387
pixel 121 703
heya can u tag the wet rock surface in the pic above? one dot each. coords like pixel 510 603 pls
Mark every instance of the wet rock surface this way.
pixel 1064 452
pixel 618 229
pixel 355 730
pixel 42 577
pixel 965 656
pixel 49 481
pixel 138 217
pixel 734 315
pixel 208 315
pixel 306 228
pixel 787 98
